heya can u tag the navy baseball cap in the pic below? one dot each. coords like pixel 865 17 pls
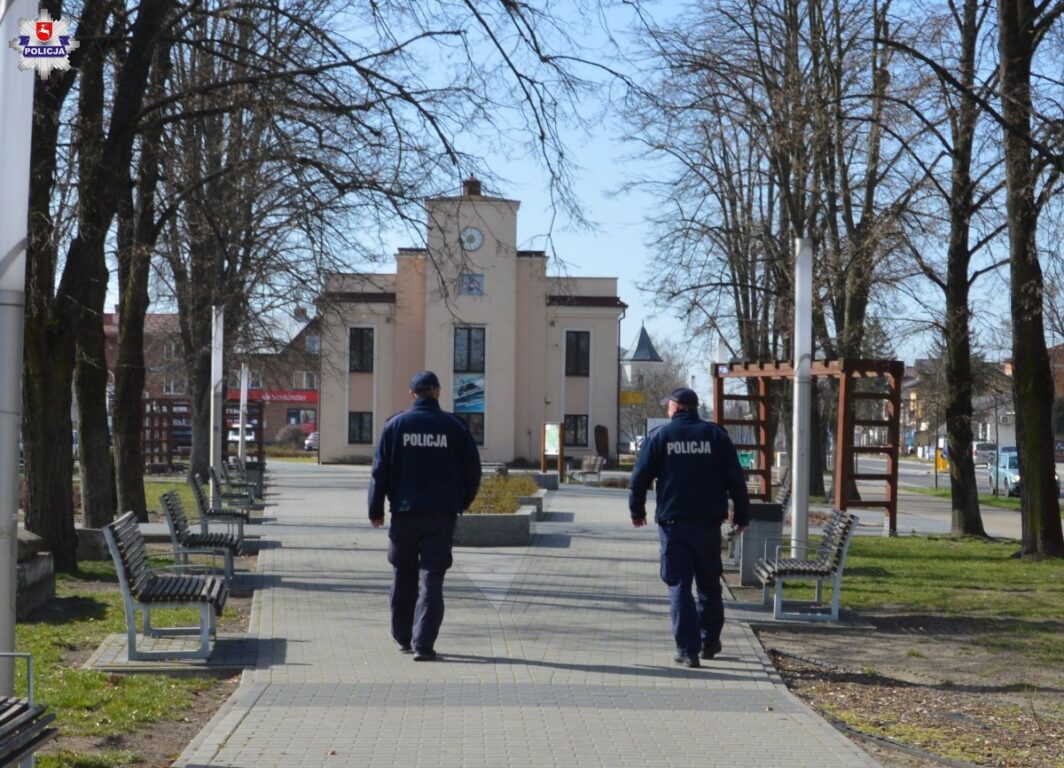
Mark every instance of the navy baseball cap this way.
pixel 424 381
pixel 688 398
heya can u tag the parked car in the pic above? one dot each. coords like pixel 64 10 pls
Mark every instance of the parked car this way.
pixel 234 434
pixel 983 453
pixel 311 443
pixel 1004 472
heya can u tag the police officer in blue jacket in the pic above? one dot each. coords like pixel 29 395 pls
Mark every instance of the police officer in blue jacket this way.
pixel 428 467
pixel 697 469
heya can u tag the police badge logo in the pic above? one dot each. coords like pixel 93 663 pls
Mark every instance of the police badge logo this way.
pixel 44 44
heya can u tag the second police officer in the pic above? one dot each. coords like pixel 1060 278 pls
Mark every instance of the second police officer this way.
pixel 697 469
pixel 428 468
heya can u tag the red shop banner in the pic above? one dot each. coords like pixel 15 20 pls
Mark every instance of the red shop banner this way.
pixel 277 395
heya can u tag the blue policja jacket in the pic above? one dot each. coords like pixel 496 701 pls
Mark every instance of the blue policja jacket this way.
pixel 696 467
pixel 426 462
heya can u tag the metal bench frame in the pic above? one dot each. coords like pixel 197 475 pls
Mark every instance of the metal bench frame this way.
pixel 185 542
pixel 836 553
pixel 228 515
pixel 206 628
pixel 30 729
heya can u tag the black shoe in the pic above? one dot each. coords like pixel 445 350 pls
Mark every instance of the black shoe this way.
pixel 405 648
pixel 426 655
pixel 709 650
pixel 687 661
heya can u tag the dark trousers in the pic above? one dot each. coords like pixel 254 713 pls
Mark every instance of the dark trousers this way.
pixel 420 554
pixel 690 551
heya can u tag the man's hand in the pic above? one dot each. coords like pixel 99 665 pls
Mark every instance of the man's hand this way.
pixel 376 522
pixel 639 522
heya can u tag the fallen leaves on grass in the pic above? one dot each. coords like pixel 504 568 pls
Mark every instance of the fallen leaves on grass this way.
pixel 962 723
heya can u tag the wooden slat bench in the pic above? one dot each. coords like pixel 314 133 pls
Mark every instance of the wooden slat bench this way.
pixel 231 515
pixel 226 494
pixel 187 542
pixel 23 729
pixel 24 725
pixel 145 588
pixel 829 562
pixel 590 467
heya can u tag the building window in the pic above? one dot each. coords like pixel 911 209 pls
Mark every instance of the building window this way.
pixel 174 385
pixel 469 350
pixel 470 285
pixel 577 353
pixel 359 427
pixel 360 349
pixel 172 350
pixel 313 345
pixel 576 430
pixel 302 416
pixel 475 423
pixel 304 380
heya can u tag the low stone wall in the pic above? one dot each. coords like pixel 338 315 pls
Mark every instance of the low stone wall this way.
pixel 513 530
pixel 536 501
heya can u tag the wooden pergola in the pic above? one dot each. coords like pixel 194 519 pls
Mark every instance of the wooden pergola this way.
pixel 848 372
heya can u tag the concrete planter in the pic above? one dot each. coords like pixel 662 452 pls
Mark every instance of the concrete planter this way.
pixel 535 500
pixel 546 480
pixel 513 530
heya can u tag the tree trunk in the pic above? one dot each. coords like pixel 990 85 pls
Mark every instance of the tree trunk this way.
pixel 1032 381
pixel 200 391
pixel 819 446
pixel 129 370
pixel 964 493
pixel 48 445
pixel 133 263
pixel 48 361
pixel 94 451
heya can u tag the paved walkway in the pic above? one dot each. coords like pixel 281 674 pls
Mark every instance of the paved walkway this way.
pixel 558 654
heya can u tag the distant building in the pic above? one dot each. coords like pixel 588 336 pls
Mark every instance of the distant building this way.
pixel 513 347
pixel 285 381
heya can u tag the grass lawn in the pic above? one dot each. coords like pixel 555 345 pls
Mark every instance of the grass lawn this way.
pixel 154 488
pixel 88 703
pixel 1020 601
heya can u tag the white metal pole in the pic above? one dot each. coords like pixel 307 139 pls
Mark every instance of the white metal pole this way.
pixel 16 105
pixel 803 391
pixel 217 393
pixel 245 375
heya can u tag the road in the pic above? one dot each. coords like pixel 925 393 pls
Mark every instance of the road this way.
pixel 920 474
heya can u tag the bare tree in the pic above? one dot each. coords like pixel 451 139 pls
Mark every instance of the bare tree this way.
pixel 1022 26
pixel 773 114
pixel 56 308
pixel 954 39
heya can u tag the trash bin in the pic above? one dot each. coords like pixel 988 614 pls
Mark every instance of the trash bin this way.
pixel 256 471
pixel 765 530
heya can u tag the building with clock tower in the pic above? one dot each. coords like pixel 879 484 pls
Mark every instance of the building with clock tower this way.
pixel 514 348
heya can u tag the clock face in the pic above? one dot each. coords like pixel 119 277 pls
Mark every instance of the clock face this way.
pixel 471 238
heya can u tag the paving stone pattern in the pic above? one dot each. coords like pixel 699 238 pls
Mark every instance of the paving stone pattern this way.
pixel 556 654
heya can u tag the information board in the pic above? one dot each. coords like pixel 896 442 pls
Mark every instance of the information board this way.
pixel 552 439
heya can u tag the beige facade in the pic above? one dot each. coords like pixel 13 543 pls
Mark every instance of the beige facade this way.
pixel 513 348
